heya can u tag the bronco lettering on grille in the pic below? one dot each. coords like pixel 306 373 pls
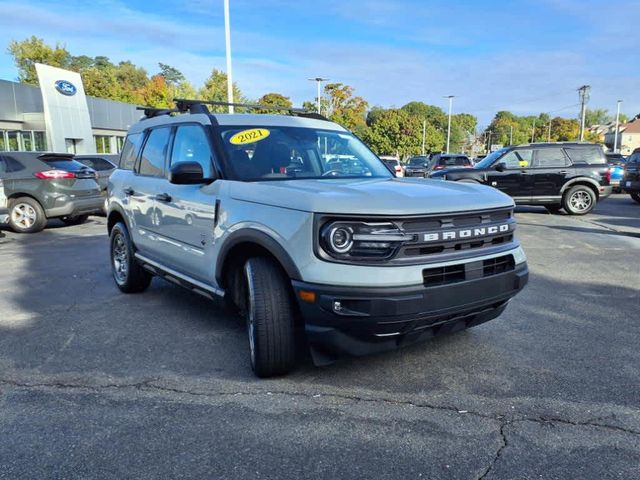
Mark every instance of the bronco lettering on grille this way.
pixel 466 233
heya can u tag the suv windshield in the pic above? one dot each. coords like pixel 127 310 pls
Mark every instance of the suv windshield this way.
pixel 418 161
pixel 489 159
pixel 288 153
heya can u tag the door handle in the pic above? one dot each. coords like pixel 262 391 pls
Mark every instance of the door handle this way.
pixel 128 191
pixel 563 172
pixel 163 197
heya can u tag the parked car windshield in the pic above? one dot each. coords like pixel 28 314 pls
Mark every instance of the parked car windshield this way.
pixel 418 161
pixel 489 159
pixel 288 153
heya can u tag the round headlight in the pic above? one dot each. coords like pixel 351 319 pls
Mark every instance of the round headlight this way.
pixel 340 239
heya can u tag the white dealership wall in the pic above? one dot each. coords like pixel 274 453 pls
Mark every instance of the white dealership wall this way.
pixel 66 116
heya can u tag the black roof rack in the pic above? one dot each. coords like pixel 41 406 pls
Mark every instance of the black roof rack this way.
pixel 150 112
pixel 200 106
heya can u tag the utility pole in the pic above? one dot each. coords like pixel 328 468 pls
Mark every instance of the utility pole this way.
pixel 510 134
pixel 424 134
pixel 583 92
pixel 489 141
pixel 450 97
pixel 615 138
pixel 318 81
pixel 533 132
pixel 227 38
pixel 549 136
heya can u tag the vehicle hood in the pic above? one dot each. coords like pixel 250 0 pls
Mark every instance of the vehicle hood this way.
pixel 383 196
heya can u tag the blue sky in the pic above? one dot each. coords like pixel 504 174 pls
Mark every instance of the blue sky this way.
pixel 523 56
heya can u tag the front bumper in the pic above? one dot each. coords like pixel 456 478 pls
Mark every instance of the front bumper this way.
pixel 360 321
pixel 77 206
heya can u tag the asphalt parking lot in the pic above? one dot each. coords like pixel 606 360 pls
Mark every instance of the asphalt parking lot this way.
pixel 96 384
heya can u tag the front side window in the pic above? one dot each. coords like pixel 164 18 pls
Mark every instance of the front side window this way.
pixel 290 153
pixel 154 153
pixel 191 145
pixel 550 158
pixel 517 159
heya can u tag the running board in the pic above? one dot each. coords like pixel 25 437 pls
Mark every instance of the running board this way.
pixel 179 278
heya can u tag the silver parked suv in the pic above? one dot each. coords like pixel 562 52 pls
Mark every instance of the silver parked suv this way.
pixel 342 255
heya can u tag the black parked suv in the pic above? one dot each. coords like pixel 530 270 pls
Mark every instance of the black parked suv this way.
pixel 630 183
pixel 417 166
pixel 573 176
pixel 42 186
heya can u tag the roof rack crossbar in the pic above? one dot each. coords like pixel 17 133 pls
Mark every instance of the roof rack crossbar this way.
pixel 150 112
pixel 195 106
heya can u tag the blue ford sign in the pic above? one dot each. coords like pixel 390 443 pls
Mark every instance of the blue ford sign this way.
pixel 66 88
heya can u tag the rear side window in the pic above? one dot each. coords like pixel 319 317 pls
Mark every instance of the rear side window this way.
pixel 9 165
pixel 154 153
pixel 130 151
pixel 99 164
pixel 551 157
pixel 590 155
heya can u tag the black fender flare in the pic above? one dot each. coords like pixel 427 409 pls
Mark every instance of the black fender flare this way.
pixel 262 239
pixel 116 208
pixel 573 181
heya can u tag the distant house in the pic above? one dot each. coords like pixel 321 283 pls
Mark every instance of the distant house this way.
pixel 628 136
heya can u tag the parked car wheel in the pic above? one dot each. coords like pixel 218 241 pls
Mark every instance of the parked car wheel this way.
pixel 75 219
pixel 270 314
pixel 26 215
pixel 579 200
pixel 129 276
pixel 636 197
pixel 553 209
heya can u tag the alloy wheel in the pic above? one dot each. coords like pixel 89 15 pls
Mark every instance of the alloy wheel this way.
pixel 24 215
pixel 580 201
pixel 120 255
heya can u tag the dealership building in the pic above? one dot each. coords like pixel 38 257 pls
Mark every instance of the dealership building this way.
pixel 58 117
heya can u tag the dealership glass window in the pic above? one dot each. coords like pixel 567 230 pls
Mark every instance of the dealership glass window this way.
pixel 40 141
pixel 13 141
pixel 103 143
pixel 3 142
pixel 27 141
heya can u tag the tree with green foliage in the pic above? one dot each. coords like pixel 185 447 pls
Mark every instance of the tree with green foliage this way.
pixel 598 116
pixel 171 75
pixel 215 89
pixel 156 93
pixel 274 100
pixel 27 53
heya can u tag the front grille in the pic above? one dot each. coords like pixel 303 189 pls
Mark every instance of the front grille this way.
pixel 467 271
pixel 457 233
pixel 443 275
pixel 495 266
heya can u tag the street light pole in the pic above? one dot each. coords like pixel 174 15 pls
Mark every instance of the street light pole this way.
pixel 615 138
pixel 424 134
pixel 450 97
pixel 533 132
pixel 549 136
pixel 510 134
pixel 318 81
pixel 227 38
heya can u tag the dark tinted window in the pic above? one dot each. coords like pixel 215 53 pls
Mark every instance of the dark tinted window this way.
pixel 191 145
pixel 585 155
pixel 98 164
pixel 130 151
pixel 550 157
pixel 418 161
pixel 10 164
pixel 154 152
pixel 454 161
pixel 634 158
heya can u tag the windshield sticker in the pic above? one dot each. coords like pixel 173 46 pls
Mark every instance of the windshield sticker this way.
pixel 249 136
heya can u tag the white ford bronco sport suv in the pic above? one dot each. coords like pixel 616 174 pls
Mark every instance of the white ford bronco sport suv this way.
pixel 293 220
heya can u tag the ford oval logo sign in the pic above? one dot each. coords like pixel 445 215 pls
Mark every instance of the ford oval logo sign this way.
pixel 66 88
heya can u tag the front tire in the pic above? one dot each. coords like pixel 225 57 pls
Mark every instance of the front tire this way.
pixel 129 276
pixel 270 315
pixel 579 200
pixel 635 196
pixel 26 215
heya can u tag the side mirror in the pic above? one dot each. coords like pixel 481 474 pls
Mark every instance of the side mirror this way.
pixel 501 167
pixel 186 173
